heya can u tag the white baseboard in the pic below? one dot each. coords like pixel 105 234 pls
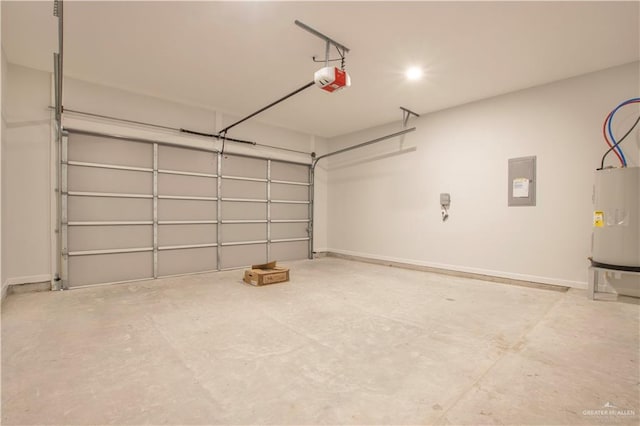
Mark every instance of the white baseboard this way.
pixel 466 269
pixel 28 279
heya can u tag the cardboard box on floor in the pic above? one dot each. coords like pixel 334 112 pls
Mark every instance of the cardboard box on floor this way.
pixel 268 273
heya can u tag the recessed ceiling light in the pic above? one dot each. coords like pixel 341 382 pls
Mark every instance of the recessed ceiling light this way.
pixel 413 73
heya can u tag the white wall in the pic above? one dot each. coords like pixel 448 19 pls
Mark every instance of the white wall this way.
pixel 27 178
pixel 384 200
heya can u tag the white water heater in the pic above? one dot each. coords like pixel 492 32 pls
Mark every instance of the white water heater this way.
pixel 616 219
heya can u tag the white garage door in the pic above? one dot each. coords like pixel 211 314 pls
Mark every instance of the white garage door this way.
pixel 139 210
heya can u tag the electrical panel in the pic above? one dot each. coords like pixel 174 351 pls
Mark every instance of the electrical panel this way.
pixel 522 181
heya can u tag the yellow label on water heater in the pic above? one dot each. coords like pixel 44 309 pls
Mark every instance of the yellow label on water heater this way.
pixel 598 219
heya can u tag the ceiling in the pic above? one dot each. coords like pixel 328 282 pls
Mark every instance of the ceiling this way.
pixel 238 56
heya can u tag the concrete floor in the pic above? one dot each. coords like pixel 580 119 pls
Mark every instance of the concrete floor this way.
pixel 342 343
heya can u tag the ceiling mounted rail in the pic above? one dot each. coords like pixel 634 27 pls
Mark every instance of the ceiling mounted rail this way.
pixel 242 120
pixel 363 144
pixel 322 36
pixel 211 135
pixel 406 114
pixel 342 49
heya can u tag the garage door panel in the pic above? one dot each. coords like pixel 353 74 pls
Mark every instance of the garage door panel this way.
pixel 244 189
pixel 81 238
pixel 243 232
pixel 290 250
pixel 187 185
pixel 187 210
pixel 289 192
pixel 105 268
pixel 186 160
pixel 109 209
pixel 289 230
pixel 96 149
pixel 177 235
pixel 91 179
pixel 289 172
pixel 174 262
pixel 246 167
pixel 289 211
pixel 240 256
pixel 242 178
pixel 243 211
